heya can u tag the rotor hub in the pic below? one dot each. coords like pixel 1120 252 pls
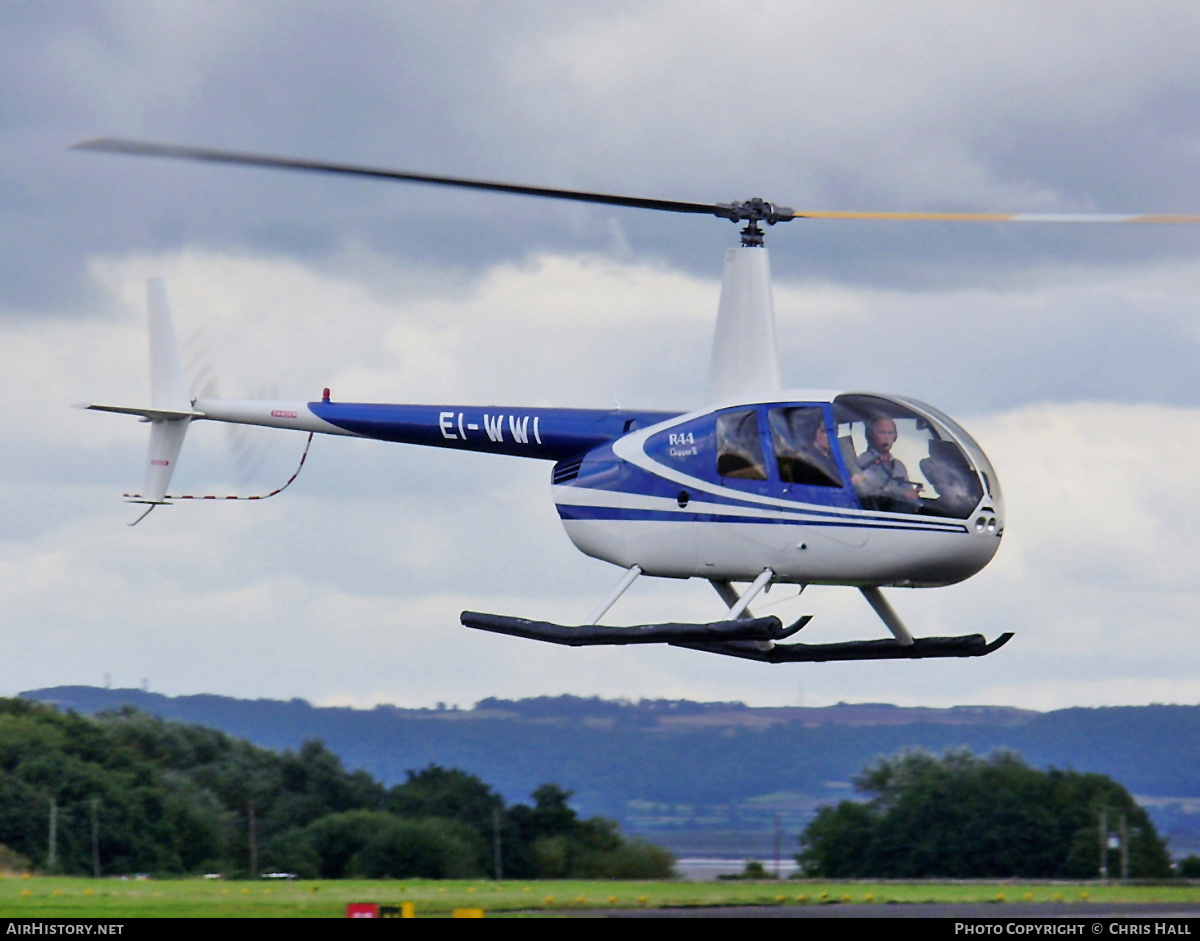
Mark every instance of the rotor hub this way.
pixel 753 211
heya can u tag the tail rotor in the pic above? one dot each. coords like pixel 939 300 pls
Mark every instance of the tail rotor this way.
pixel 168 394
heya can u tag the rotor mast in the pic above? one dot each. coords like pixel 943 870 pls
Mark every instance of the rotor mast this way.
pixel 744 363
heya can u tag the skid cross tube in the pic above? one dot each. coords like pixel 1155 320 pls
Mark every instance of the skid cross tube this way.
pixel 743 603
pixel 887 614
pixel 610 599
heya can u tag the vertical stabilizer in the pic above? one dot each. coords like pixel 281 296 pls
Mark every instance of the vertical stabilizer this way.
pixel 745 358
pixel 168 392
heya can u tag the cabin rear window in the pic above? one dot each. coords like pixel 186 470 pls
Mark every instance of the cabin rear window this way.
pixel 739 446
pixel 802 448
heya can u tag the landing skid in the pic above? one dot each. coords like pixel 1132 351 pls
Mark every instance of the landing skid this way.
pixel 968 645
pixel 718 634
pixel 741 634
pixel 749 639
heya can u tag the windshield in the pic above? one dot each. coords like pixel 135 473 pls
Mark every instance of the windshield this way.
pixel 991 482
pixel 905 458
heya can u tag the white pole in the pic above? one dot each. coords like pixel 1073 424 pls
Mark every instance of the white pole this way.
pixel 52 861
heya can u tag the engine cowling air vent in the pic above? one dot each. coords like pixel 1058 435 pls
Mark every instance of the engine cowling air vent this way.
pixel 566 470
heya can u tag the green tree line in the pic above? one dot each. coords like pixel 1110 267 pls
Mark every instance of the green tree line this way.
pixel 614 754
pixel 131 793
pixel 962 816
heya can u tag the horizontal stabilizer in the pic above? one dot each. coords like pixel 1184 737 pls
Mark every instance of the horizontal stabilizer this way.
pixel 968 645
pixel 146 414
pixel 746 631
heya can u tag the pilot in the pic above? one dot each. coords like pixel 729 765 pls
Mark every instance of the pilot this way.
pixel 882 479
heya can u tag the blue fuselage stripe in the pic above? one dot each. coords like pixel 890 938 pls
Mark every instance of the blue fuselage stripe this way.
pixel 568 511
pixel 546 433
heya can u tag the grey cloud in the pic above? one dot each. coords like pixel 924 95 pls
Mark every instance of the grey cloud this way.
pixel 885 106
pixel 844 107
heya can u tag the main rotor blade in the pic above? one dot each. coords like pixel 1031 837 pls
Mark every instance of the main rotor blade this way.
pixel 751 210
pixel 1068 217
pixel 115 145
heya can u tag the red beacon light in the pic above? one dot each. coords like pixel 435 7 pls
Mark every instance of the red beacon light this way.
pixel 325 395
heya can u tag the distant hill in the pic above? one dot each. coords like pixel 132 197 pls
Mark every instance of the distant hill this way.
pixel 673 766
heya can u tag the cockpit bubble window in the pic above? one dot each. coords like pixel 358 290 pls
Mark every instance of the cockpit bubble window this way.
pixel 903 461
pixel 991 483
pixel 739 446
pixel 802 447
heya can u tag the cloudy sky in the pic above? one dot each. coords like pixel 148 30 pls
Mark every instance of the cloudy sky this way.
pixel 1069 352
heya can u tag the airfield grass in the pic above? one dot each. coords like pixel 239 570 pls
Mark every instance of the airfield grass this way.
pixel 50 897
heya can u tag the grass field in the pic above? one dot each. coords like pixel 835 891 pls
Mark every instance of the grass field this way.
pixel 197 898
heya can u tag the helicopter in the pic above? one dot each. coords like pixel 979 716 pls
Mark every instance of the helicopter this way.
pixel 761 485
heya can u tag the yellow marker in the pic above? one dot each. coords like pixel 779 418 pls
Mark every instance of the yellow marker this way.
pixel 611 899
pixel 408 910
pixel 467 913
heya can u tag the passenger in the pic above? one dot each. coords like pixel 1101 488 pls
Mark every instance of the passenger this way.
pixel 882 480
pixel 802 447
pixel 822 454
